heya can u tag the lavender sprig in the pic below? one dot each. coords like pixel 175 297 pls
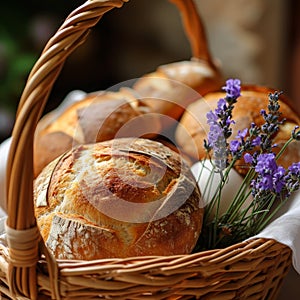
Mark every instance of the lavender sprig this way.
pixel 269 183
pixel 220 124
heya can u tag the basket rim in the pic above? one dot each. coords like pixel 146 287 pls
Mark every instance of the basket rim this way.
pixel 123 272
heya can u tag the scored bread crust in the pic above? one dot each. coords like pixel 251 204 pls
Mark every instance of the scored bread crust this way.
pixel 194 129
pixel 118 198
pixel 98 117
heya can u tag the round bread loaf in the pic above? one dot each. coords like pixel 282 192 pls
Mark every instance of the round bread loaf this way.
pixel 172 87
pixel 118 198
pixel 98 117
pixel 194 128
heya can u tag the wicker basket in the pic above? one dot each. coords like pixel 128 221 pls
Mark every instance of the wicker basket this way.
pixel 248 270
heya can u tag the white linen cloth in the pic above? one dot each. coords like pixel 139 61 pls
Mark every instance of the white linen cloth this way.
pixel 4 149
pixel 285 228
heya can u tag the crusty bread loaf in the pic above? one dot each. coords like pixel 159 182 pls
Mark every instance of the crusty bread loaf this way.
pixel 172 87
pixel 156 101
pixel 98 117
pixel 193 127
pixel 118 198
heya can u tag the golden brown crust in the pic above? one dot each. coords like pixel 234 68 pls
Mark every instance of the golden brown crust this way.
pixel 98 117
pixel 194 127
pixel 172 87
pixel 130 196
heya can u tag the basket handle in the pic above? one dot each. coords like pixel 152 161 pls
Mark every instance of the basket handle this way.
pixel 23 237
pixel 194 29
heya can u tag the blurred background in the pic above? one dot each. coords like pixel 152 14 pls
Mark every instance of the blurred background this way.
pixel 257 41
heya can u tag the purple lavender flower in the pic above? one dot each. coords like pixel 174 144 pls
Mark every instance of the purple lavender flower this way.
pixel 248 158
pixel 215 134
pixel 295 169
pixel 221 107
pixel 233 88
pixel 234 146
pixel 217 141
pixel 215 130
pixel 228 121
pixel 271 177
pixel 242 134
pixel 256 141
pixel 272 122
pixel 266 163
pixel 279 179
pixel 293 178
pixel 265 183
pixel 211 118
pixel 263 112
pixel 220 121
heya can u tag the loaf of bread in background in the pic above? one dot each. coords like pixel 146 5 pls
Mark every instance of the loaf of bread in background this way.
pixel 194 129
pixel 172 87
pixel 118 198
pixel 97 117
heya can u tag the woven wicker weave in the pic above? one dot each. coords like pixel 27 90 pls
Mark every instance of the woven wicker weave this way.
pixel 248 270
